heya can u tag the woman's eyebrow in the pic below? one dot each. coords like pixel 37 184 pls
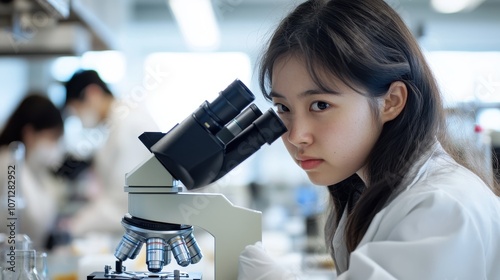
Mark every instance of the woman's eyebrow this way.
pixel 318 91
pixel 274 94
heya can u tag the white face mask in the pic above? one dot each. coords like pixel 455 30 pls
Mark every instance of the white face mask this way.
pixel 46 154
pixel 89 118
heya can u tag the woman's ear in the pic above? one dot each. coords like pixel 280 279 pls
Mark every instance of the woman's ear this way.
pixel 394 101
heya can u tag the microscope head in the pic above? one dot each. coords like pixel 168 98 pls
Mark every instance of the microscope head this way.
pixel 215 138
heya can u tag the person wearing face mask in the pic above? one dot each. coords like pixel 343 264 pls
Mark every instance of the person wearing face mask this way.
pixel 38 125
pixel 119 124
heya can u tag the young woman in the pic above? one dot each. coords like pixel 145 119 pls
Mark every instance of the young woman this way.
pixel 365 118
pixel 38 125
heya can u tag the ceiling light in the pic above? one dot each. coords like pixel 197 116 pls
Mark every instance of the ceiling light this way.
pixel 454 6
pixel 197 22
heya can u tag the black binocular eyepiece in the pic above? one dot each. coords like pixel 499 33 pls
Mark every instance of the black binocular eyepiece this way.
pixel 217 137
pixel 214 116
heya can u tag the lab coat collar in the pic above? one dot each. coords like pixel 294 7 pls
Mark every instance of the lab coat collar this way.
pixel 421 166
pixel 416 173
pixel 341 255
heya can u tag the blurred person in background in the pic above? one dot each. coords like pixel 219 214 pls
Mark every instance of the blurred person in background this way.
pixel 38 124
pixel 90 98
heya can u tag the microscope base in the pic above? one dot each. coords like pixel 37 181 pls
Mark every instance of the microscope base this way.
pixel 145 275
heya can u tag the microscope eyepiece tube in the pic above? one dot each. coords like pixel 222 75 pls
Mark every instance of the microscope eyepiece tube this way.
pixel 213 116
pixel 180 250
pixel 155 254
pixel 238 124
pixel 129 247
pixel 231 101
pixel 265 129
pixel 194 249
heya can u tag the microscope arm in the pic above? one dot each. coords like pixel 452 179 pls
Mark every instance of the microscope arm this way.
pixel 232 227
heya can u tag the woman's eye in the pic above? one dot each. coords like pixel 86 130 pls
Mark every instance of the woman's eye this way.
pixel 319 106
pixel 281 108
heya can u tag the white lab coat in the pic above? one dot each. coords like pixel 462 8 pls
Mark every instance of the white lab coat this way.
pixel 121 152
pixel 444 225
pixel 37 202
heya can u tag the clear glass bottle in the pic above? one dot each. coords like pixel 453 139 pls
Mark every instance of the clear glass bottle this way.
pixel 25 266
pixel 3 252
pixel 41 265
pixel 23 242
pixel 12 203
pixel 9 261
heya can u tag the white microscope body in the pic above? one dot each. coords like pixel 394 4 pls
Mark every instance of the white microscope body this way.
pixel 158 202
pixel 203 148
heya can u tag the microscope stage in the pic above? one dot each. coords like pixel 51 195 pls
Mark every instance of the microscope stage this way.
pixel 176 275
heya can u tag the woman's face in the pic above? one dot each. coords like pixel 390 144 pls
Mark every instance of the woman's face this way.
pixel 330 135
pixel 43 147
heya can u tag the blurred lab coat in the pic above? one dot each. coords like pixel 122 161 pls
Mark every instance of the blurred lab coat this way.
pixel 38 197
pixel 444 224
pixel 121 152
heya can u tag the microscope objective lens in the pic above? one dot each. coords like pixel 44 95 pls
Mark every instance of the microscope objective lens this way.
pixel 136 252
pixel 168 256
pixel 129 247
pixel 155 254
pixel 194 249
pixel 180 250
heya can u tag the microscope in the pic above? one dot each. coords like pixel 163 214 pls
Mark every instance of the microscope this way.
pixel 200 150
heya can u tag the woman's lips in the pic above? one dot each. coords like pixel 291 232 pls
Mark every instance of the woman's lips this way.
pixel 310 163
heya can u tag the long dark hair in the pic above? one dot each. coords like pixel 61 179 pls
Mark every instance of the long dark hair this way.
pixel 366 45
pixel 35 110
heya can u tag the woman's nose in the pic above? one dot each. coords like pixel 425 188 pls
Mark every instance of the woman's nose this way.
pixel 299 133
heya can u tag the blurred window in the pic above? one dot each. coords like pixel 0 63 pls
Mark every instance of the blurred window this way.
pixel 14 73
pixel 489 118
pixel 110 65
pixel 178 83
pixel 467 76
